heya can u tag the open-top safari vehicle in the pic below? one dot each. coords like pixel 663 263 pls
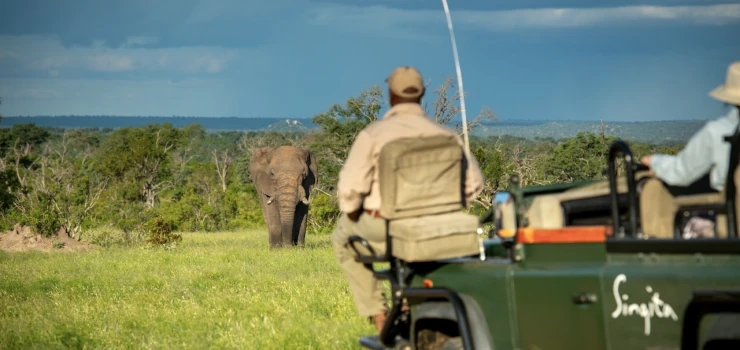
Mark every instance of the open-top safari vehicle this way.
pixel 588 265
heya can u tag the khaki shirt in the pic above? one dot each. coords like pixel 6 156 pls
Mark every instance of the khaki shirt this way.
pixel 358 179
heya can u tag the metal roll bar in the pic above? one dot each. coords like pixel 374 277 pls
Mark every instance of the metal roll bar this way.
pixel 621 147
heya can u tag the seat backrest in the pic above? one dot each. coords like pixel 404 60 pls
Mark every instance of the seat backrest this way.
pixel 421 176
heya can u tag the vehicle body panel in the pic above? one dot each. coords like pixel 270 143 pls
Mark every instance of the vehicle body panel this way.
pixel 645 296
pixel 489 284
pixel 530 304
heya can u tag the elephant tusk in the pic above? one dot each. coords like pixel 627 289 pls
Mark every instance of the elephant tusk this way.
pixel 270 201
pixel 305 200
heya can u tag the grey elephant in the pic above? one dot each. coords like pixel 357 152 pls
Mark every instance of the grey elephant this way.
pixel 284 177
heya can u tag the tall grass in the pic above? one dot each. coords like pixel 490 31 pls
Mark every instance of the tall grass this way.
pixel 215 290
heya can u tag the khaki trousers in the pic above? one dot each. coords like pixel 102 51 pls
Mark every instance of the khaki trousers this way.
pixel 366 290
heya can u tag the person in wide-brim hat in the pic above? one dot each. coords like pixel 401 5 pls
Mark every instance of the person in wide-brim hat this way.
pixel 729 92
pixel 701 166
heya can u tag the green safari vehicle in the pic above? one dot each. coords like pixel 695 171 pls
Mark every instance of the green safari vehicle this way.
pixel 596 282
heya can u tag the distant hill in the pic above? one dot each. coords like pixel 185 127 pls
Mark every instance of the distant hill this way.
pixel 652 132
pixel 211 124
pixel 669 131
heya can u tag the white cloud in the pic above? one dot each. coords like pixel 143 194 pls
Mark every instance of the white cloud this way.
pixel 383 18
pixel 559 18
pixel 110 63
pixel 9 93
pixel 189 97
pixel 134 41
pixel 4 53
pixel 48 54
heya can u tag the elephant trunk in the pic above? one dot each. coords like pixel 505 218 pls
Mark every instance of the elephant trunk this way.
pixel 287 201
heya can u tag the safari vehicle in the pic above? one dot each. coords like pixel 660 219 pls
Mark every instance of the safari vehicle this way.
pixel 575 270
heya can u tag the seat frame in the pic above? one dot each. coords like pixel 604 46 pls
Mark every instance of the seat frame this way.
pixel 400 275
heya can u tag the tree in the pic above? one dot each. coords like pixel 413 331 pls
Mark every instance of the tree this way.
pixel 447 107
pixel 583 157
pixel 223 163
pixel 343 123
pixel 64 183
pixel 142 157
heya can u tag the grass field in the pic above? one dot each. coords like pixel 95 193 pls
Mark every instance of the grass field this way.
pixel 214 290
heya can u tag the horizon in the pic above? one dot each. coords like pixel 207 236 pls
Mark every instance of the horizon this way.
pixel 457 119
pixel 564 60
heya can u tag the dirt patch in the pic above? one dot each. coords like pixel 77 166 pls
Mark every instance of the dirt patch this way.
pixel 22 238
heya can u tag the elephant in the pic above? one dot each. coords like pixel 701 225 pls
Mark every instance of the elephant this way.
pixel 284 177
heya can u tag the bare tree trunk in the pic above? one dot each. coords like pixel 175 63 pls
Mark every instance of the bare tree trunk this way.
pixel 223 164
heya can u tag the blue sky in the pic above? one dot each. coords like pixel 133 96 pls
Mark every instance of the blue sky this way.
pixel 567 59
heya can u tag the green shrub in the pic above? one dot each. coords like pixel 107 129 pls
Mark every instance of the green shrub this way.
pixel 160 232
pixel 42 218
pixel 109 236
pixel 323 214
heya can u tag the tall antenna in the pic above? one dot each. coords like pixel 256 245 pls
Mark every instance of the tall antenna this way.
pixel 462 111
pixel 459 78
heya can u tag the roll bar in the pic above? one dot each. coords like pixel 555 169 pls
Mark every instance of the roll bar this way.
pixel 621 147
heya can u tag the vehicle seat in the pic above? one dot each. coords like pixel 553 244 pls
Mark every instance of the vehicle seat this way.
pixel 421 189
pixel 584 205
pixel 658 208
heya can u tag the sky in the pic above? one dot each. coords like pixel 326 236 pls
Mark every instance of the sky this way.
pixel 628 60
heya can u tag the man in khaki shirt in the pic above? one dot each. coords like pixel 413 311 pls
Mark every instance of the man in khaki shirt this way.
pixel 358 190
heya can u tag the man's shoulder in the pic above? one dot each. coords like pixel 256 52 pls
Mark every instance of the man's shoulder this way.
pixel 722 125
pixel 424 122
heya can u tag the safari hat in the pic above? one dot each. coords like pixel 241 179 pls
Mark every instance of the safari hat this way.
pixel 729 92
pixel 403 78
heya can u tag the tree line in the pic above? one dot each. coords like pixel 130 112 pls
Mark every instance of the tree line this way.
pixel 107 185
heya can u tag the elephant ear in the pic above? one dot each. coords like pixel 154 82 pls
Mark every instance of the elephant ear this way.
pixel 312 179
pixel 259 170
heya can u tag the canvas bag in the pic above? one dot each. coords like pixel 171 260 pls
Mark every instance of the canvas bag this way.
pixel 422 196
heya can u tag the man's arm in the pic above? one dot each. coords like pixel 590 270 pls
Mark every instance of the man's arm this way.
pixel 473 179
pixel 355 176
pixel 690 164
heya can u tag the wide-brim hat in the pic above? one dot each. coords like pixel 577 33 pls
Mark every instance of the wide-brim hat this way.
pixel 729 92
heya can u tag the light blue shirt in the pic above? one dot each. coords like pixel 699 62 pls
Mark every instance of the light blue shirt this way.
pixel 706 152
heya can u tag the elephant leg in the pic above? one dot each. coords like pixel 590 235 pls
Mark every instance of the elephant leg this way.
pixel 301 217
pixel 272 220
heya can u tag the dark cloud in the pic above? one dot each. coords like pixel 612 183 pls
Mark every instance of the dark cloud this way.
pixel 222 23
pixel 175 23
pixel 501 5
pixel 577 42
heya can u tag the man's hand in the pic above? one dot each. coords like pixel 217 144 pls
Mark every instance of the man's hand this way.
pixel 355 215
pixel 645 160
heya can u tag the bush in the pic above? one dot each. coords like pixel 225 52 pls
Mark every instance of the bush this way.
pixel 109 236
pixel 160 232
pixel 323 214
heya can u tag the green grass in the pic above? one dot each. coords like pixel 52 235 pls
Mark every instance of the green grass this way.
pixel 214 290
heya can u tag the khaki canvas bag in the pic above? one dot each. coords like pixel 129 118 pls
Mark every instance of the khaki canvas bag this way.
pixel 421 186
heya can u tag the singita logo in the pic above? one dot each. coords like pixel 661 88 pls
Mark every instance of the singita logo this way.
pixel 654 308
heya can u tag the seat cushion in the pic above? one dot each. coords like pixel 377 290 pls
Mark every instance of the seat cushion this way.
pixel 435 237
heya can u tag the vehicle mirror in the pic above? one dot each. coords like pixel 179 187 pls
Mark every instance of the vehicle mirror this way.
pixel 500 198
pixel 504 214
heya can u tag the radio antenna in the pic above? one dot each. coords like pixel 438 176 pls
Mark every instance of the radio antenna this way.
pixel 459 78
